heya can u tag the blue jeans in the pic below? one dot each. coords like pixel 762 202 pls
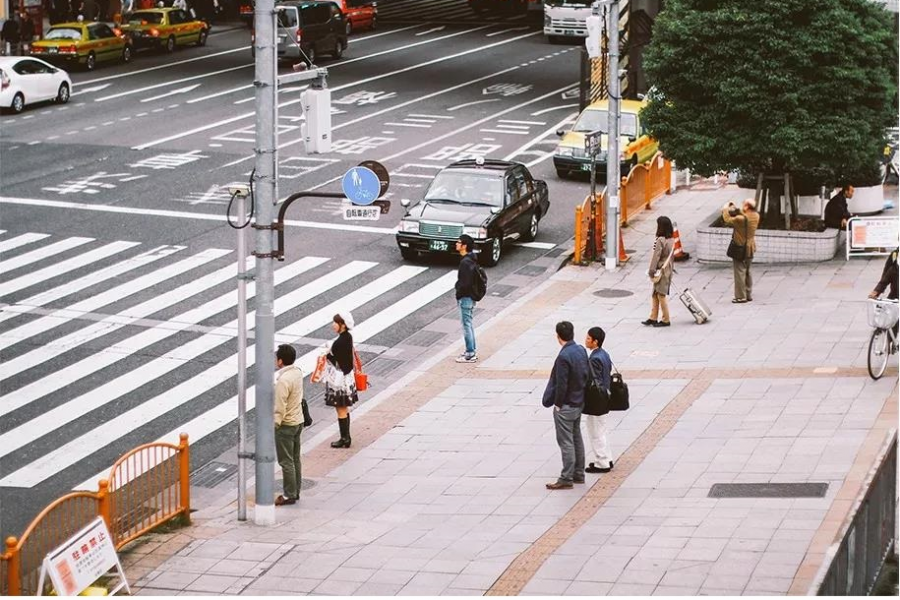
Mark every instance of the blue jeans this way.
pixel 466 311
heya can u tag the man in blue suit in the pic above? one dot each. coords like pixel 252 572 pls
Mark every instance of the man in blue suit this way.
pixel 565 393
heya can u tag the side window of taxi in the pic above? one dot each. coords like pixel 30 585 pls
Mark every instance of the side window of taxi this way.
pixel 512 190
pixel 176 17
pixel 101 30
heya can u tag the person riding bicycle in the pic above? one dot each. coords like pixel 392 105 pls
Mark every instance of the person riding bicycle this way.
pixel 888 279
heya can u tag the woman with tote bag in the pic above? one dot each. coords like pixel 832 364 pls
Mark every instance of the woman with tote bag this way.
pixel 660 273
pixel 340 381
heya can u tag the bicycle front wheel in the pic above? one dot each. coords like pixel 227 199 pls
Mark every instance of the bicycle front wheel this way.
pixel 878 353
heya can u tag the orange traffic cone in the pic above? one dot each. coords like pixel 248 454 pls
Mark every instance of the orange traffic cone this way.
pixel 679 254
pixel 622 256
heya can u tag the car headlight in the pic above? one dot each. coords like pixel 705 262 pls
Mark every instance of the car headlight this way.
pixel 547 20
pixel 565 151
pixel 409 226
pixel 479 233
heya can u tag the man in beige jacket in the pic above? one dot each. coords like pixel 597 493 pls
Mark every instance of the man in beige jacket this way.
pixel 744 221
pixel 288 421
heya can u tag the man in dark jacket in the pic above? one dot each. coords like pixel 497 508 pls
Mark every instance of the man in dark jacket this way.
pixel 597 430
pixel 565 393
pixel 10 35
pixel 836 211
pixel 465 284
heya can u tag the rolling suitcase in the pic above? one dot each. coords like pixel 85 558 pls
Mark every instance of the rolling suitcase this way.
pixel 697 307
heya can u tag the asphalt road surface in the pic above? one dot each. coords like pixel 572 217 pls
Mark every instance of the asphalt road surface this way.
pixel 118 290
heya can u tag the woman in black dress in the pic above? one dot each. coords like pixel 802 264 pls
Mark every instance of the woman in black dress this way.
pixel 340 386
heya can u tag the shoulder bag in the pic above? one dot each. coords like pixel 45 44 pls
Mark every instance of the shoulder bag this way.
pixel 596 399
pixel 739 251
pixel 360 378
pixel 618 391
pixel 657 275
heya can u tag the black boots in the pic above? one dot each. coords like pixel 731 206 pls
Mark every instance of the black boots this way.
pixel 344 426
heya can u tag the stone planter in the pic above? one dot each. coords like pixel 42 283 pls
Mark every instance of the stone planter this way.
pixel 772 247
pixel 867 200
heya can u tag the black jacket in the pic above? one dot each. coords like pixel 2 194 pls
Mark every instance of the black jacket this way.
pixel 10 31
pixel 465 280
pixel 836 210
pixel 341 353
pixel 889 277
pixel 568 377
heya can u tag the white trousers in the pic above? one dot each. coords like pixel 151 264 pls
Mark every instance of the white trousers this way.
pixel 598 437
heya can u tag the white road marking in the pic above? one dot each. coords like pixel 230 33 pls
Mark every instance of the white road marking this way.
pixel 459 106
pixel 492 34
pixel 539 160
pixel 430 116
pixel 78 91
pixel 432 30
pixel 214 419
pixel 174 214
pixel 510 131
pixel 60 268
pixel 537 245
pixel 515 122
pixel 75 450
pixel 22 260
pixel 183 90
pixel 552 108
pixel 168 83
pixel 20 240
pixel 419 125
pixel 521 149
pixel 28 305
pixel 165 66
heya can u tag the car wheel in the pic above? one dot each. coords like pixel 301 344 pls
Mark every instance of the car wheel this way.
pixel 339 48
pixel 18 103
pixel 533 227
pixel 201 39
pixel 126 54
pixel 349 27
pixel 562 173
pixel 63 95
pixel 170 44
pixel 409 254
pixel 310 55
pixel 492 256
pixel 91 62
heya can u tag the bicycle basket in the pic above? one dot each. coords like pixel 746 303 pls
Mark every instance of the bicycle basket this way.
pixel 882 315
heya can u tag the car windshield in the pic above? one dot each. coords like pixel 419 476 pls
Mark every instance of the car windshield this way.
pixel 598 119
pixel 63 33
pixel 146 18
pixel 287 17
pixel 466 188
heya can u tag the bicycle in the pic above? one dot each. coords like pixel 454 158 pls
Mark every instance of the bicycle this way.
pixel 883 316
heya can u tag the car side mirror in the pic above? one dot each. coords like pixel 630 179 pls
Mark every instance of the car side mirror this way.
pixel 631 138
pixel 404 202
pixel 495 210
pixel 560 132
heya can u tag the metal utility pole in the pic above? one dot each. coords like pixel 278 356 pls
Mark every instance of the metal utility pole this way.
pixel 613 176
pixel 265 196
pixel 242 358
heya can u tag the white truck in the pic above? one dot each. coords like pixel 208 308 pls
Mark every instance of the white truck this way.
pixel 565 19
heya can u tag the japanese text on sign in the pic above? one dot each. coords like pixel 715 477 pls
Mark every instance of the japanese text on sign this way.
pixel 83 559
pixel 361 213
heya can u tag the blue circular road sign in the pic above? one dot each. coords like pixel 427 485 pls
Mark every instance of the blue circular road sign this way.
pixel 361 186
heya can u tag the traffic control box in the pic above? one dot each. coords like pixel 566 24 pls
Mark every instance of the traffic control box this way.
pixel 316 131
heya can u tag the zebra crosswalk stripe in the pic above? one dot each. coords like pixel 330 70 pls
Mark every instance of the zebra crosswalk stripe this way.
pixel 28 258
pixel 59 292
pixel 21 240
pixel 226 412
pixel 79 448
pixel 66 266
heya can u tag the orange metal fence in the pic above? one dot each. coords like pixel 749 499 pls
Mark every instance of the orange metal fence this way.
pixel 645 183
pixel 146 487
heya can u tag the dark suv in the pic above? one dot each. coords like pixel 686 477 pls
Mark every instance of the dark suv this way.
pixel 306 30
pixel 494 201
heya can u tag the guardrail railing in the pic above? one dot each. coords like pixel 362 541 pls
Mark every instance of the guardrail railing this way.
pixel 146 487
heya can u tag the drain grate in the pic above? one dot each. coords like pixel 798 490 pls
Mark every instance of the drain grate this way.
pixel 502 291
pixel 554 253
pixel 768 490
pixel 305 484
pixel 531 271
pixel 613 293
pixel 424 338
pixel 212 474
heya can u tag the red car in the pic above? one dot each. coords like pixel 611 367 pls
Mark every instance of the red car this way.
pixel 245 11
pixel 359 14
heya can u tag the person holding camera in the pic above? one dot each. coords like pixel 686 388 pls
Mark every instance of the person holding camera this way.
pixel 744 221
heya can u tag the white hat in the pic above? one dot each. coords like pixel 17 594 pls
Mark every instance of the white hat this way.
pixel 348 318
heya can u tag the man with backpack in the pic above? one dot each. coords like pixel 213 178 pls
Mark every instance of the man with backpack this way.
pixel 471 286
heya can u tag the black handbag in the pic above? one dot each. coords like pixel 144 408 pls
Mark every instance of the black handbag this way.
pixel 307 418
pixel 596 399
pixel 618 392
pixel 735 250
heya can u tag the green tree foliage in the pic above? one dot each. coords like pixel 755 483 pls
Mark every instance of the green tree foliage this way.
pixel 773 85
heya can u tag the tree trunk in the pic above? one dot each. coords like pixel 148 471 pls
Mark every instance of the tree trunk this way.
pixel 787 201
pixel 757 197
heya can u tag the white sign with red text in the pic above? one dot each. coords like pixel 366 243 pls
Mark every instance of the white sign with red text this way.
pixel 82 560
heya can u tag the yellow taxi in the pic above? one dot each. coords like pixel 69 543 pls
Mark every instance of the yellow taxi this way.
pixel 80 43
pixel 165 29
pixel 634 143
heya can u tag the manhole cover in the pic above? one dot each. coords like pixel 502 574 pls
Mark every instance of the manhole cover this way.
pixel 768 490
pixel 613 293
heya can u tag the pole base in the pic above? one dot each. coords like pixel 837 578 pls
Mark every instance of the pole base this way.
pixel 611 264
pixel 264 515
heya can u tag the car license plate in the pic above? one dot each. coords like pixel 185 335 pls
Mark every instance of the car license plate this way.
pixel 586 167
pixel 52 50
pixel 438 246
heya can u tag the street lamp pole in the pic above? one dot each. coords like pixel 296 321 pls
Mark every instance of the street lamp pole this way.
pixel 613 176
pixel 265 197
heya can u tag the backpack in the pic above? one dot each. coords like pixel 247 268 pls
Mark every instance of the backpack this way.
pixel 479 285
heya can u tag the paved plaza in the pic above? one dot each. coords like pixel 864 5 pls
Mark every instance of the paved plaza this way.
pixel 443 491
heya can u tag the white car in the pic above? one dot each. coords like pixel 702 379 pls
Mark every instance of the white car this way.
pixel 26 80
